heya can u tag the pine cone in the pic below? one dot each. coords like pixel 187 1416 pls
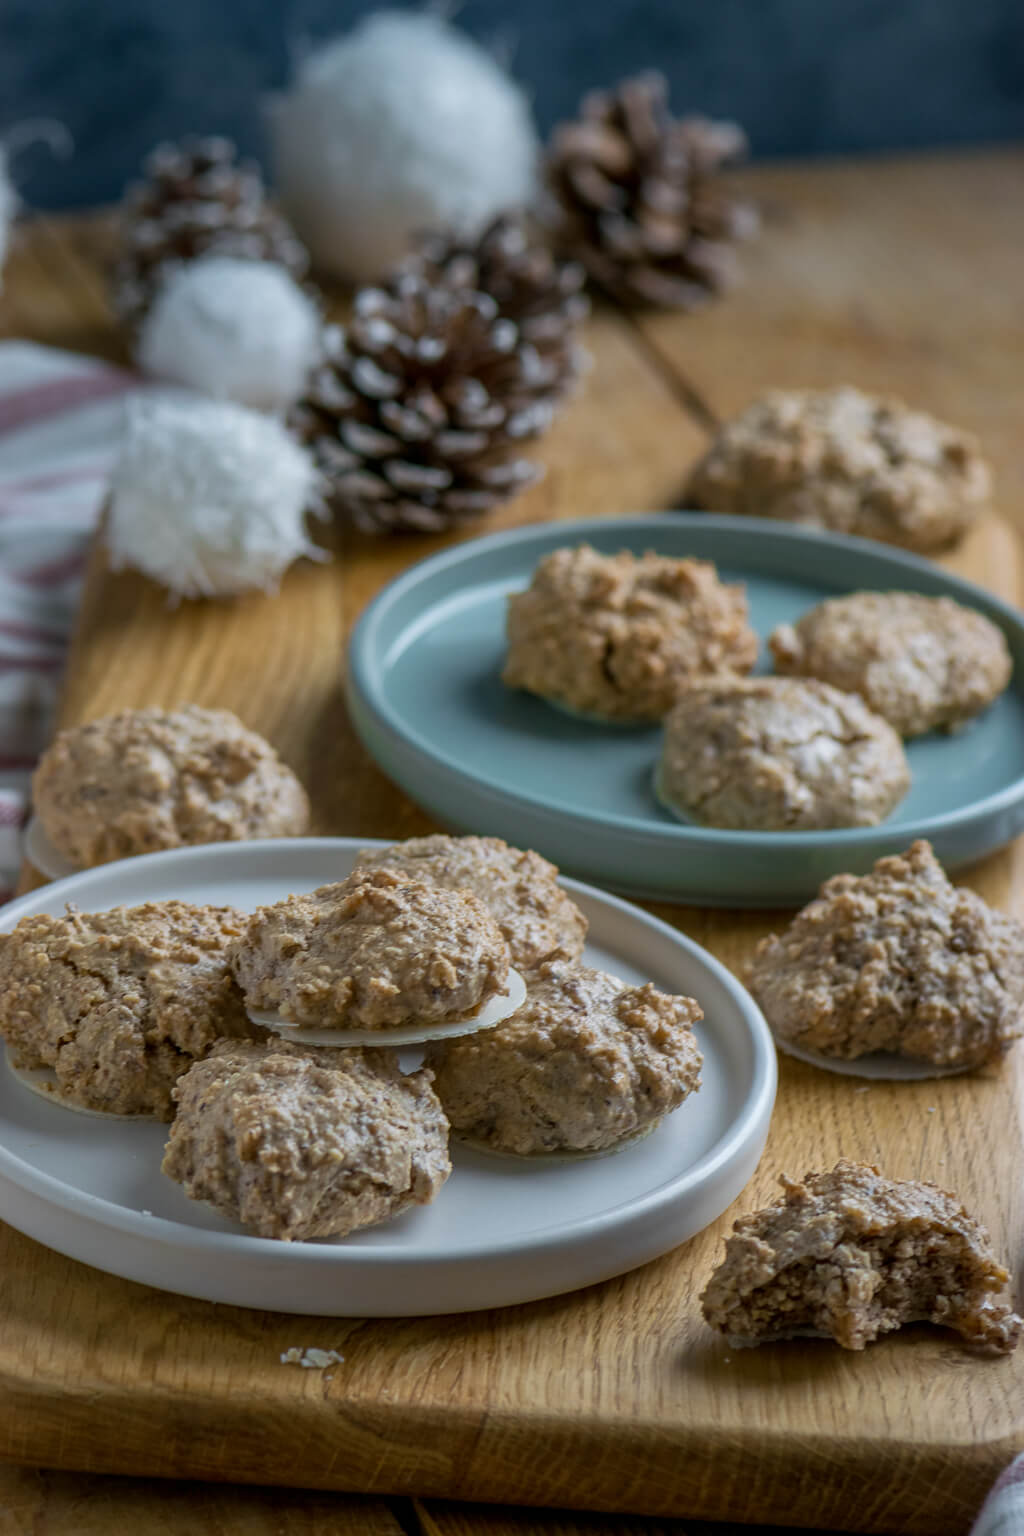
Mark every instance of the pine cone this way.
pixel 530 286
pixel 639 201
pixel 197 200
pixel 418 412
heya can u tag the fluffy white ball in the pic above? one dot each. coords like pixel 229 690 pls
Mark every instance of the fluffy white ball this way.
pixel 238 330
pixel 403 125
pixel 8 205
pixel 209 498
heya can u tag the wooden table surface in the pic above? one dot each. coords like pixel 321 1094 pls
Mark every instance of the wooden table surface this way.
pixel 904 277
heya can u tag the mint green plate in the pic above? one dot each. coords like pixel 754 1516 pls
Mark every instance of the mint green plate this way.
pixel 426 697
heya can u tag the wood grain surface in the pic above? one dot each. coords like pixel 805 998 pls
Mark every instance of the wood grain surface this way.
pixel 41 1503
pixel 616 1398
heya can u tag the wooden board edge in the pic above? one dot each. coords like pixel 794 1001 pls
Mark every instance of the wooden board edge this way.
pixel 484 1456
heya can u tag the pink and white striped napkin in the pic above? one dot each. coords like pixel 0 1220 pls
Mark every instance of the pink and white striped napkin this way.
pixel 1002 1514
pixel 60 423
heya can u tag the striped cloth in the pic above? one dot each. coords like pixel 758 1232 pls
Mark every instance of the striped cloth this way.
pixel 60 421
pixel 1002 1514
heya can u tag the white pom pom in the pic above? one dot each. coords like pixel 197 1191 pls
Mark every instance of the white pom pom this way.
pixel 8 207
pixel 238 330
pixel 209 498
pixel 403 125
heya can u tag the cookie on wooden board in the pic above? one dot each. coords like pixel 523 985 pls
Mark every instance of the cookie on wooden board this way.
pixel 842 460
pixel 850 1255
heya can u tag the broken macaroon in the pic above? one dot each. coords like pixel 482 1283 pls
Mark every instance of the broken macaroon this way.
pixel 850 1255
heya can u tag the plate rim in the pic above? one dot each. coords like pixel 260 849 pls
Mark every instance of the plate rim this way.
pixel 758 1103
pixel 359 684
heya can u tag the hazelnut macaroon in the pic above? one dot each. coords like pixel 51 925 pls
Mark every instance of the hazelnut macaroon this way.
pixel 585 1065
pixel 374 952
pixel 848 462
pixel 149 779
pixel 620 637
pixel 849 1255
pixel 519 889
pixel 779 754
pixel 922 663
pixel 120 1003
pixel 297 1143
pixel 897 960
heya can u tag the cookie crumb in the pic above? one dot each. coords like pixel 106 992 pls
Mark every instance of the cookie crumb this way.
pixel 312 1358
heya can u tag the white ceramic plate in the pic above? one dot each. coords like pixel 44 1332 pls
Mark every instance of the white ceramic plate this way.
pixel 501 1231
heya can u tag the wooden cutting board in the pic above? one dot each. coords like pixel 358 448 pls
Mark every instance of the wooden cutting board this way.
pixel 617 1397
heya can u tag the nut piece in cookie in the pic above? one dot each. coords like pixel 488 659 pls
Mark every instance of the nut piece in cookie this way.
pixel 120 1003
pixel 618 637
pixel 845 461
pixel 779 753
pixel 375 951
pixel 296 1142
pixel 585 1064
pixel 149 779
pixel 849 1255
pixel 922 663
pixel 519 889
pixel 897 960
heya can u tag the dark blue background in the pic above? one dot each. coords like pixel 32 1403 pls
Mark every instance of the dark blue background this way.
pixel 804 76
